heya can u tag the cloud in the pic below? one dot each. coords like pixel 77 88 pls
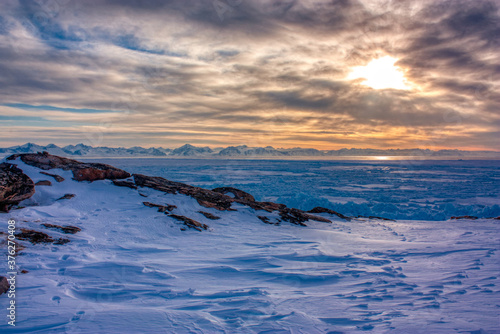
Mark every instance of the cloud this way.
pixel 244 72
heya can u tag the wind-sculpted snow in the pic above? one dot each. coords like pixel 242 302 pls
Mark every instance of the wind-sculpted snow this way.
pixel 132 268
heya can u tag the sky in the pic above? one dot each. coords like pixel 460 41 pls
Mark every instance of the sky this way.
pixel 312 73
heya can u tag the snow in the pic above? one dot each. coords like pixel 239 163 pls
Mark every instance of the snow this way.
pixel 132 270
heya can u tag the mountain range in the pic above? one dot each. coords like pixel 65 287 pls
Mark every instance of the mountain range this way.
pixel 187 150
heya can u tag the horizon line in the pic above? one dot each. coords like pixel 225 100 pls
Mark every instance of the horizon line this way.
pixel 268 146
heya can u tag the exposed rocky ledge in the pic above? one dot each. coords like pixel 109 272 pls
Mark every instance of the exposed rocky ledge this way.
pixel 15 186
pixel 206 198
pixel 221 198
pixel 68 229
pixel 209 215
pixel 190 222
pixel 56 177
pixel 82 171
pixel 43 183
pixel 320 209
pixel 36 237
pixel 238 194
pixel 218 198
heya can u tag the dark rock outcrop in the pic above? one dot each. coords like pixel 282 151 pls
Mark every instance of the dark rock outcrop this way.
pixel 15 186
pixel 161 208
pixel 82 171
pixel 121 183
pixel 43 183
pixel 209 215
pixel 206 198
pixel 376 217
pixel 320 209
pixel 299 217
pixel 266 220
pixel 66 196
pixel 36 237
pixel 238 194
pixel 293 216
pixel 4 285
pixel 56 177
pixel 464 217
pixel 191 223
pixel 65 229
pixel 218 199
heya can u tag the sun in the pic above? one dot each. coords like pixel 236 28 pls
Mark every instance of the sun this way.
pixel 380 73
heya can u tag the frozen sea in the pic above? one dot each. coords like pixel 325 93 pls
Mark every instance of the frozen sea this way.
pixel 396 189
pixel 134 270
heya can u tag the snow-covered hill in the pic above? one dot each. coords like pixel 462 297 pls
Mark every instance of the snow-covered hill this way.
pixel 136 267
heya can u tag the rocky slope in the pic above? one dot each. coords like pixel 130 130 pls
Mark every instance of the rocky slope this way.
pixel 17 186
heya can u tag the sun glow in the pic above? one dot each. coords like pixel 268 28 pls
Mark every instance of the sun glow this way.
pixel 380 74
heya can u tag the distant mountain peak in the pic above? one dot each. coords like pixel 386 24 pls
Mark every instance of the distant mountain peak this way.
pixel 188 150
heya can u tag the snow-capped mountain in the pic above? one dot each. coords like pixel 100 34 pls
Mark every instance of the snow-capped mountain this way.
pixel 243 151
pixel 190 150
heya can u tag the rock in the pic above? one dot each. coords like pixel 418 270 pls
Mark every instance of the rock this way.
pixel 121 183
pixel 294 216
pixel 66 196
pixel 376 217
pixel 81 171
pixel 206 198
pixel 298 217
pixel 381 218
pixel 36 237
pixel 15 186
pixel 4 285
pixel 190 222
pixel 238 194
pixel 465 217
pixel 43 183
pixel 61 241
pixel 68 229
pixel 161 208
pixel 316 218
pixel 98 173
pixel 270 206
pixel 320 209
pixel 209 215
pixel 266 220
pixel 58 178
